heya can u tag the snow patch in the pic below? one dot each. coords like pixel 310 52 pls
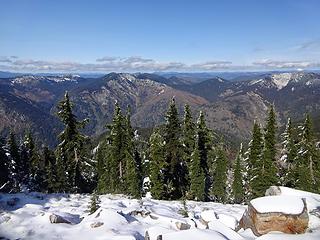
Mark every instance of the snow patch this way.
pixel 285 204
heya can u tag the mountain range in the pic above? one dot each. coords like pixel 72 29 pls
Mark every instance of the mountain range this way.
pixel 28 101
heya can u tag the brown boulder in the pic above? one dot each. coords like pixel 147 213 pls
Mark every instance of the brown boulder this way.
pixel 262 223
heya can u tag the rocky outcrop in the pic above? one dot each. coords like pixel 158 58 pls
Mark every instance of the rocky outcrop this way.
pixel 182 226
pixel 54 218
pixel 263 222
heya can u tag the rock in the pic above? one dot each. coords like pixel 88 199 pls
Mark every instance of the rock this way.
pixel 13 201
pixel 96 224
pixel 273 191
pixel 227 220
pixel 142 213
pixel 207 216
pixel 54 218
pixel 263 222
pixel 183 226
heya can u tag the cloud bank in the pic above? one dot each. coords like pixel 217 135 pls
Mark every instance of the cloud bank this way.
pixel 137 63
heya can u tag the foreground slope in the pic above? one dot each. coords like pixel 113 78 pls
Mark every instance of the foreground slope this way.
pixel 122 218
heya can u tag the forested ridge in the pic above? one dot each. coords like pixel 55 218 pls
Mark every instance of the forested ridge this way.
pixel 183 159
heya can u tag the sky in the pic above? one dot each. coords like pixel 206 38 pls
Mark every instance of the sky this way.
pixel 162 35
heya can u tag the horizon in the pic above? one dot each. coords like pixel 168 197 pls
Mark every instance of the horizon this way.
pixel 167 36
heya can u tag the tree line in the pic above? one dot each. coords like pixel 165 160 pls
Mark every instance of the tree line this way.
pixel 183 159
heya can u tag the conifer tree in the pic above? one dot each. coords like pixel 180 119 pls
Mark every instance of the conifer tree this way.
pixel 175 175
pixel 157 166
pixel 37 178
pixel 288 176
pixel 204 146
pixel 254 162
pixel 14 162
pixel 52 181
pixel 133 162
pixel 94 203
pixel 218 190
pixel 238 178
pixel 199 174
pixel 71 155
pixel 112 180
pixel 269 172
pixel 4 168
pixel 307 159
pixel 197 177
pixel 188 132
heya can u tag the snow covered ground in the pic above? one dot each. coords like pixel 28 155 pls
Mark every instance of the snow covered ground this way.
pixel 120 218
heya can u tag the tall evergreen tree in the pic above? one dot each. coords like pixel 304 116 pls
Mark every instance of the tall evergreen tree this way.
pixel 133 176
pixel 238 178
pixel 307 159
pixel 254 162
pixel 197 177
pixel 288 175
pixel 71 155
pixel 269 172
pixel 188 131
pixel 4 168
pixel 14 162
pixel 52 181
pixel 175 175
pixel 199 173
pixel 218 189
pixel 157 166
pixel 112 180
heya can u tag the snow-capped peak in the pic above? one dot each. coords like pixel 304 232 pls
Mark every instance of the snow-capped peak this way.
pixel 281 80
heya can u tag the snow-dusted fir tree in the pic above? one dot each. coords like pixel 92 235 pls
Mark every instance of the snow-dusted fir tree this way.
pixel 133 172
pixel 94 202
pixel 288 174
pixel 219 185
pixel 254 162
pixel 14 162
pixel 113 155
pixel 307 159
pixel 188 136
pixel 239 176
pixel 72 160
pixel 176 174
pixel 119 163
pixel 36 165
pixel 4 168
pixel 197 189
pixel 269 171
pixel 156 166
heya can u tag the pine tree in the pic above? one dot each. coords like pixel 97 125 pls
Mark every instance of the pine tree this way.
pixel 199 174
pixel 254 162
pixel 71 155
pixel 238 178
pixel 218 190
pixel 197 177
pixel 176 175
pixel 52 182
pixel 188 132
pixel 307 159
pixel 37 168
pixel 133 162
pixel 14 162
pixel 94 203
pixel 288 176
pixel 268 172
pixel 4 168
pixel 157 166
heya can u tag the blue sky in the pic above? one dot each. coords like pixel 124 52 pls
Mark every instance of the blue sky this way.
pixel 176 35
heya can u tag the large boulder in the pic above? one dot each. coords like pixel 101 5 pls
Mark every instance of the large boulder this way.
pixel 54 218
pixel 287 214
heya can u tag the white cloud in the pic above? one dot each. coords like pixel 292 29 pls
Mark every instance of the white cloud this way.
pixel 274 64
pixel 137 63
